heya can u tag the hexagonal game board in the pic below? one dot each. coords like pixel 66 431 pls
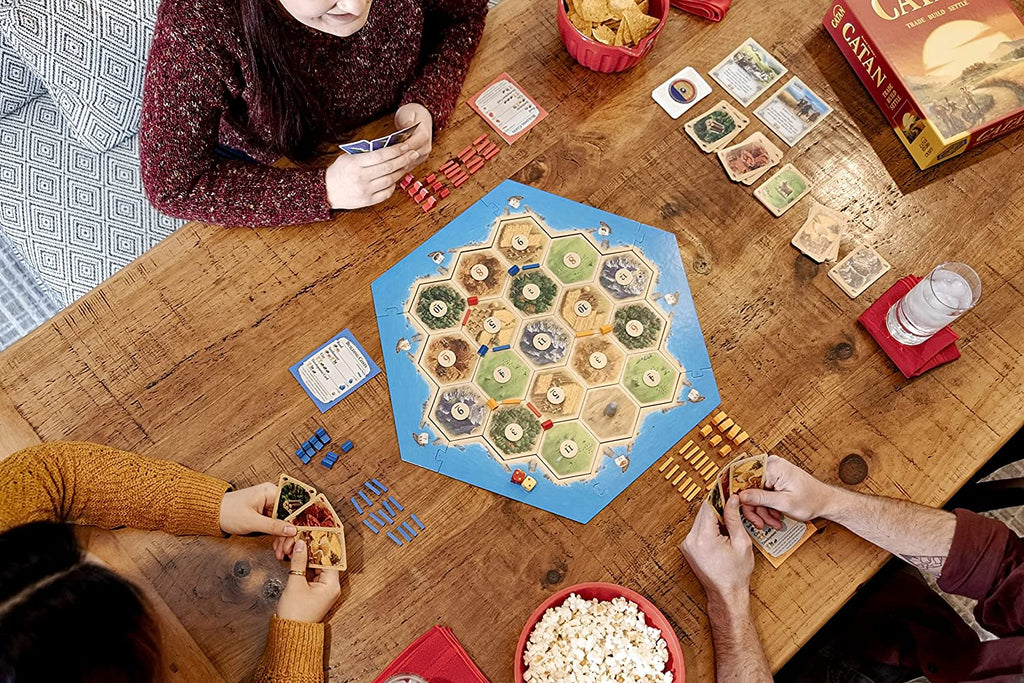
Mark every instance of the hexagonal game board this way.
pixel 539 334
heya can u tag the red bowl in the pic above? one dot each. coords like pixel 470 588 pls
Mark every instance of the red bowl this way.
pixel 607 591
pixel 607 59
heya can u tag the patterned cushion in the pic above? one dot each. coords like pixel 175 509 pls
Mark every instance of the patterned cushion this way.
pixel 75 215
pixel 91 56
pixel 24 302
pixel 18 85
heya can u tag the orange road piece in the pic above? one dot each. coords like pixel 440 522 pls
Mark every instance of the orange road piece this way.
pixel 666 464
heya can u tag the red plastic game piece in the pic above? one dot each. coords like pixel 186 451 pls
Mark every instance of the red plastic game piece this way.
pixel 463 178
pixel 466 153
pixel 437 185
pixel 480 139
pixel 518 476
pixel 443 193
pixel 547 424
pixel 421 195
pixel 406 180
pixel 465 317
pixel 533 409
pixel 430 178
pixel 429 204
pixel 490 155
pixel 475 166
pixel 472 301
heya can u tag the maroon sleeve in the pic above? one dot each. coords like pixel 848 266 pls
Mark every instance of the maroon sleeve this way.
pixel 986 563
pixel 189 80
pixel 451 33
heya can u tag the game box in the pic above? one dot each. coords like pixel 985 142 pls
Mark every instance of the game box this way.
pixel 947 74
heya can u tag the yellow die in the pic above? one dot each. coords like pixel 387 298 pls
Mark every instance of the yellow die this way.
pixel 529 483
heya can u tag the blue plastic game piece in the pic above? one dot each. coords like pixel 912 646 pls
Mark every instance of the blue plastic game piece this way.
pixel 355 504
pixel 333 456
pixel 417 520
pixel 395 539
pixel 387 518
pixel 373 489
pixel 503 347
pixel 404 533
pixel 346 447
pixel 396 503
pixel 376 518
pixel 531 266
pixel 387 506
pixel 328 461
pixel 316 442
pixel 372 527
pixel 322 433
pixel 306 459
pixel 379 485
pixel 366 500
pixel 409 528
pixel 514 270
pixel 324 439
pixel 309 450
pixel 299 453
pixel 482 350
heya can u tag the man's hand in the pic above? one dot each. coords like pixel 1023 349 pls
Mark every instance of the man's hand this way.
pixel 248 511
pixel 422 138
pixel 789 490
pixel 722 563
pixel 304 600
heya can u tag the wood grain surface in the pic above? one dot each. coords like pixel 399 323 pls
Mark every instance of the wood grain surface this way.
pixel 184 355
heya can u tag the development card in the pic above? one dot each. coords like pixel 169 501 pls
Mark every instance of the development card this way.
pixel 335 370
pixel 506 108
pixel 357 147
pixel 793 111
pixel 716 501
pixel 778 544
pixel 820 235
pixel 317 512
pixel 859 270
pixel 747 473
pixel 754 156
pixel 783 190
pixel 292 495
pixel 325 547
pixel 747 72
pixel 716 128
pixel 680 93
pixel 400 136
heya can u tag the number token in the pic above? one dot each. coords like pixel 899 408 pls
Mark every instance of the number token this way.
pixel 438 308
pixel 502 374
pixel 569 449
pixel 520 243
pixel 446 358
pixel 583 308
pixel 531 292
pixel 479 272
pixel 492 325
pixel 598 360
pixel 652 378
pixel 634 328
pixel 624 276
pixel 460 411
pixel 541 342
pixel 513 432
pixel 556 396
pixel 571 260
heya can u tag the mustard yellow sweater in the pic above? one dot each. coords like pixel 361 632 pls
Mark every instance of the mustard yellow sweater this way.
pixel 83 483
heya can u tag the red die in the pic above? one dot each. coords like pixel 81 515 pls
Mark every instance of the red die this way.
pixel 518 476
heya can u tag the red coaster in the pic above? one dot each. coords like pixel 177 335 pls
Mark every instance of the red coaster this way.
pixel 911 360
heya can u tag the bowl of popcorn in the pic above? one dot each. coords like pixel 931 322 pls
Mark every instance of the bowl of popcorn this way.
pixel 598 632
pixel 610 35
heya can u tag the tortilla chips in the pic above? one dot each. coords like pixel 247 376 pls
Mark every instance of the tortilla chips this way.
pixel 612 22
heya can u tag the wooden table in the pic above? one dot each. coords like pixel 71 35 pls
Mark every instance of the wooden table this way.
pixel 185 353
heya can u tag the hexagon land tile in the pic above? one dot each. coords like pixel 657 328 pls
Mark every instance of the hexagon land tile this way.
pixel 449 358
pixel 545 342
pixel 610 413
pixel 481 273
pixel 572 259
pixel 539 334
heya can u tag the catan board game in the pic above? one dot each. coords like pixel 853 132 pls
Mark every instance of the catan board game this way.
pixel 543 350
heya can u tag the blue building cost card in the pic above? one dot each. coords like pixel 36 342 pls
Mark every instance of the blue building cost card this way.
pixel 334 370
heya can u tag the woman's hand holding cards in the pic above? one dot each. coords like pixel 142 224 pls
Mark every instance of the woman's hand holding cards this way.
pixel 250 510
pixel 302 599
pixel 422 138
pixel 355 181
pixel 788 490
pixel 723 563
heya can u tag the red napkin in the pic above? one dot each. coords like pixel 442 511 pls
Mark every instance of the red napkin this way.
pixel 911 360
pixel 437 657
pixel 709 9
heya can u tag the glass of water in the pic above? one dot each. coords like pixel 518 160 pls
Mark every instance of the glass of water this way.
pixel 949 291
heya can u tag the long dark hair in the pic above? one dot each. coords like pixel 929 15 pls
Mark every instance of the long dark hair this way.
pixel 62 619
pixel 281 95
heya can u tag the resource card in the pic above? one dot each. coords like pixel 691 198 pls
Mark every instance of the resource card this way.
pixel 793 111
pixel 317 512
pixel 820 235
pixel 778 544
pixel 717 127
pixel 292 495
pixel 334 370
pixel 360 146
pixel 783 190
pixel 747 161
pixel 859 270
pixel 326 547
pixel 680 93
pixel 747 72
pixel 506 108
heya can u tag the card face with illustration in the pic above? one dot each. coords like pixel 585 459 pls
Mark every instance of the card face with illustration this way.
pixel 783 190
pixel 750 158
pixel 821 234
pixel 716 128
pixel 859 270
pixel 716 501
pixel 400 136
pixel 747 473
pixel 357 147
pixel 748 71
pixel 793 111
pixel 680 93
pixel 317 512
pixel 778 544
pixel 325 547
pixel 292 494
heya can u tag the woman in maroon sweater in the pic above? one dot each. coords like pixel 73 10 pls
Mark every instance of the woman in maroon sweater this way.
pixel 233 85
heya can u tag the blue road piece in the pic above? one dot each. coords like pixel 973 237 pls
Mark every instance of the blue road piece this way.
pixel 355 504
pixel 531 266
pixel 379 485
pixel 387 506
pixel 514 270
pixel 381 513
pixel 346 447
pixel 372 527
pixel 408 527
pixel 322 433
pixel 366 499
pixel 394 538
pixel 405 534
pixel 373 489
pixel 482 350
pixel 377 519
pixel 417 520
pixel 503 347
pixel 396 503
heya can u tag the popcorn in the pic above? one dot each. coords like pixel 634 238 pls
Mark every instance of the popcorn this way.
pixel 591 641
